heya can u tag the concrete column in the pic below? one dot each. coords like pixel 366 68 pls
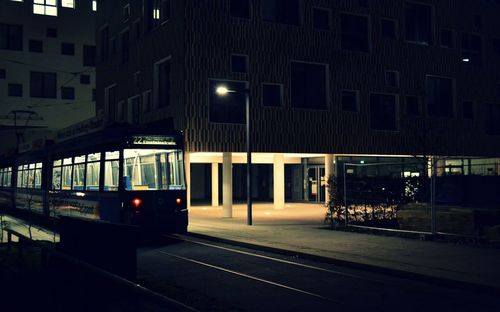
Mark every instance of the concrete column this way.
pixel 187 169
pixel 279 181
pixel 227 185
pixel 215 184
pixel 328 172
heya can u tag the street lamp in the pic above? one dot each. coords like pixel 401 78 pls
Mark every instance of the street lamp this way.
pixel 222 90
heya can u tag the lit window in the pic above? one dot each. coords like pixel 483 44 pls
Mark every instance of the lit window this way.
pixel 45 7
pixel 94 5
pixel 68 4
pixel 156 14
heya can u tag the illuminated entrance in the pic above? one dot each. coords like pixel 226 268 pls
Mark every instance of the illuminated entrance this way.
pixel 316 183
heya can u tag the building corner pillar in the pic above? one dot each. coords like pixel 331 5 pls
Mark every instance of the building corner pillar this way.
pixel 187 169
pixel 329 171
pixel 215 184
pixel 227 185
pixel 279 181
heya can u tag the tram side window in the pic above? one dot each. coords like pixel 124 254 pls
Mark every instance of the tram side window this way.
pixel 20 173
pixel 29 176
pixel 79 173
pixel 38 175
pixel 149 169
pixel 56 175
pixel 5 177
pixel 111 166
pixel 93 170
pixel 66 174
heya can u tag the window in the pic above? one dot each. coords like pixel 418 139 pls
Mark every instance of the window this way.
pixel 56 174
pixel 446 38
pixel 272 95
pixel 392 78
pixel 134 110
pixel 85 79
pixel 149 170
pixel 121 111
pixel 104 43
pixel 146 101
pixel 11 37
pixel 321 19
pixel 67 176
pixel 162 83
pixel 492 116
pixel 2 73
pixel 240 8
pixel 67 48
pixel 440 96
pixel 383 112
pixel 354 32
pixel 157 12
pixel 111 166
pixel 43 85
pixel 89 57
pixel 45 7
pixel 349 100
pixel 51 32
pixel 79 173
pixel 126 12
pixel 15 89
pixel 110 102
pixel 68 4
pixel 468 109
pixel 124 41
pixel 93 171
pixel 6 177
pixel 35 46
pixel 67 93
pixel 281 11
pixel 418 23
pixel 30 176
pixel 412 105
pixel 239 63
pixel 471 49
pixel 309 85
pixel 388 28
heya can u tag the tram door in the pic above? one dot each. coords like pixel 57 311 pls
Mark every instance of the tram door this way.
pixel 316 183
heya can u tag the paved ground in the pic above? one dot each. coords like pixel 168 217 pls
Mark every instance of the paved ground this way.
pixel 299 227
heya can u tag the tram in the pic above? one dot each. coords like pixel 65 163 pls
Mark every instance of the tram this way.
pixel 121 175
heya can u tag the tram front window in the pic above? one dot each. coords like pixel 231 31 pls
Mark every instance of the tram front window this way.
pixel 152 169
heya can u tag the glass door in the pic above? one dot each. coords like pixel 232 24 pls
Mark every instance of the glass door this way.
pixel 316 183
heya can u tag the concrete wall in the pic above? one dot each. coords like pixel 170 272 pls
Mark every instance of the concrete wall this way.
pixel 202 35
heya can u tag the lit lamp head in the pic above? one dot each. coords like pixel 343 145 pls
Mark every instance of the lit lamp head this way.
pixel 222 90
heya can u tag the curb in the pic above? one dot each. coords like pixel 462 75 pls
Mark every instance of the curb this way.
pixel 439 281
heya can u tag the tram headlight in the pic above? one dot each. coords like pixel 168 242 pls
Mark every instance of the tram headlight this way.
pixel 137 202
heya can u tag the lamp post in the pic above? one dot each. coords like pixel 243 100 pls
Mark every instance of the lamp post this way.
pixel 223 91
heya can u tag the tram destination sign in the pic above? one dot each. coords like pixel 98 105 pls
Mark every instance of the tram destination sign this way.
pixel 154 140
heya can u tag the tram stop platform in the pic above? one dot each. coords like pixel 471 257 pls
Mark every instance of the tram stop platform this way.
pixel 299 229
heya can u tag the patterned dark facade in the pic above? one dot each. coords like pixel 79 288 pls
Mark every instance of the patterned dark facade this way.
pixel 201 35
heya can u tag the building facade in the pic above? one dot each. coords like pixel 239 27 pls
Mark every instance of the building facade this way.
pixel 47 69
pixel 327 81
